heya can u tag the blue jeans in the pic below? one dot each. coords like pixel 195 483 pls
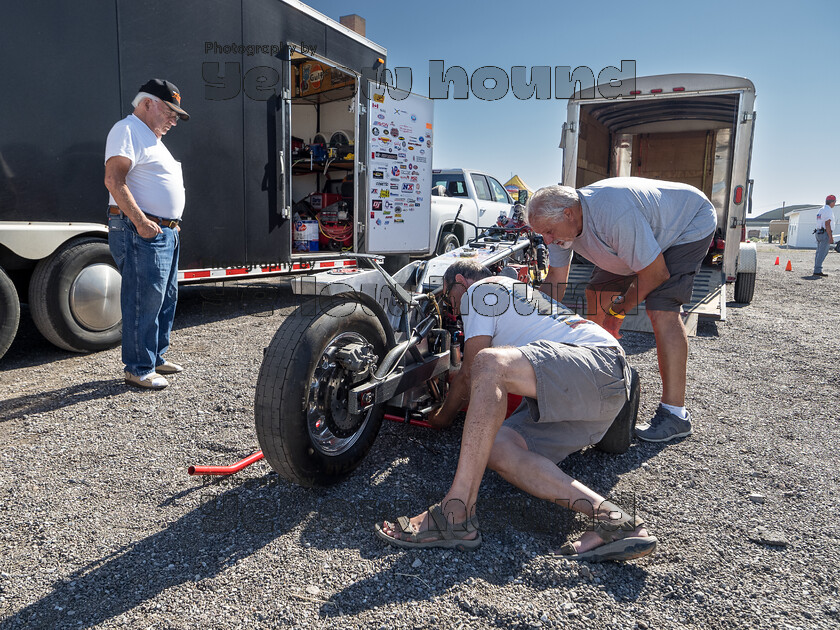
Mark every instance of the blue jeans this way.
pixel 149 293
pixel 822 251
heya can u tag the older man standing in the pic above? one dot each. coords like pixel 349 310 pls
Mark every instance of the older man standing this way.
pixel 825 221
pixel 147 199
pixel 647 239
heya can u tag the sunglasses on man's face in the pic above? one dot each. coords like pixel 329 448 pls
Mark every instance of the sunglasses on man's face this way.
pixel 170 113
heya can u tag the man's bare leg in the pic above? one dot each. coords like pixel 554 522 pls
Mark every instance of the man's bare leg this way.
pixel 495 373
pixel 672 353
pixel 542 478
pixel 595 311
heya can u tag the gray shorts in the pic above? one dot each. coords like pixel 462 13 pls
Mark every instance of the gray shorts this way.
pixel 683 262
pixel 580 390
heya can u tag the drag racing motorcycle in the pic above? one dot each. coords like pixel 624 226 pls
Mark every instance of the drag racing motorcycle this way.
pixel 369 346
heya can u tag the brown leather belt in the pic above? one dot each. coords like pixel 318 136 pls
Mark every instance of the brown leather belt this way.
pixel 170 223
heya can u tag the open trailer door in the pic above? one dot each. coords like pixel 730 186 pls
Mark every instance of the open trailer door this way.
pixel 398 172
pixel 266 102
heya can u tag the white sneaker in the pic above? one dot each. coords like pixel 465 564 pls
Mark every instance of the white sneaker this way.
pixel 153 380
pixel 167 367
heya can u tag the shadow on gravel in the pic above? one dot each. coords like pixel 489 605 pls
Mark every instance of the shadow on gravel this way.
pixel 441 575
pixel 205 303
pixel 30 348
pixel 59 398
pixel 197 305
pixel 637 342
pixel 201 544
pixel 602 471
pixel 519 531
pixel 707 328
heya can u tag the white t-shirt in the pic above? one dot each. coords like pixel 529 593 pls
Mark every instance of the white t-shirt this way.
pixel 515 314
pixel 629 221
pixel 155 178
pixel 826 214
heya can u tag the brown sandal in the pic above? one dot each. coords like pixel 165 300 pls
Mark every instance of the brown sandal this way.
pixel 619 543
pixel 441 533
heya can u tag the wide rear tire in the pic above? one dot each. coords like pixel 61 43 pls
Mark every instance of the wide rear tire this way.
pixel 74 297
pixel 619 436
pixel 9 312
pixel 300 401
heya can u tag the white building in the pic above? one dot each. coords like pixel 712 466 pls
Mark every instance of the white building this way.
pixel 801 227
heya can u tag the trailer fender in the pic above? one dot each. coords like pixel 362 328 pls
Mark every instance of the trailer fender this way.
pixel 747 258
pixel 38 240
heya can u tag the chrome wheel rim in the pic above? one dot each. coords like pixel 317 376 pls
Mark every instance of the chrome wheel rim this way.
pixel 95 297
pixel 327 400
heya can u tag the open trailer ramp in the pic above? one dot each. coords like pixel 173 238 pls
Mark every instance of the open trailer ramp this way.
pixel 708 299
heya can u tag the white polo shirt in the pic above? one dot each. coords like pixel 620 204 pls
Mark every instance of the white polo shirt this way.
pixel 155 178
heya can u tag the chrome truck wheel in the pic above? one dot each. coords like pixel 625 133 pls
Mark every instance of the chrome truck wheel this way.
pixel 74 297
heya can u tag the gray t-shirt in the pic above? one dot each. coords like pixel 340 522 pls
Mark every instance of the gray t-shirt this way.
pixel 629 221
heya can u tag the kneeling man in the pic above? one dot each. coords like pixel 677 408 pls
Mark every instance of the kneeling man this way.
pixel 575 380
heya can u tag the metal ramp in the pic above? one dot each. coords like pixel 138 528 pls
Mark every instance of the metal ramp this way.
pixel 708 300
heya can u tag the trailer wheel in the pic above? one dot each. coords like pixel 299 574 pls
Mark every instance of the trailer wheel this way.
pixel 744 287
pixel 74 297
pixel 300 406
pixel 448 242
pixel 618 437
pixel 9 312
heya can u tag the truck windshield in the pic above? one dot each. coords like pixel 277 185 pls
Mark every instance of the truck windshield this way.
pixel 454 184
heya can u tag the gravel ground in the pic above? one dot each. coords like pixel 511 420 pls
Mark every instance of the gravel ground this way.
pixel 102 527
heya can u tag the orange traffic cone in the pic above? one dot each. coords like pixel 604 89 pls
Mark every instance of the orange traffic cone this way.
pixel 788 267
pixel 777 261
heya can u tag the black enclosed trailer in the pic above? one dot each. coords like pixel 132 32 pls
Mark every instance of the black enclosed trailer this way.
pixel 277 131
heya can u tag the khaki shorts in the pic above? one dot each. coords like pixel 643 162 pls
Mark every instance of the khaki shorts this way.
pixel 580 390
pixel 683 262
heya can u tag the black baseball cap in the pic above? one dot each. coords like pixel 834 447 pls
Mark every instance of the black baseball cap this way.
pixel 168 93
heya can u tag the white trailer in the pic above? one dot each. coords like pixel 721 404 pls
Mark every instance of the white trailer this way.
pixel 690 128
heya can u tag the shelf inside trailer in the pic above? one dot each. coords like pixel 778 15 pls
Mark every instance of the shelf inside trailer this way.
pixel 328 96
pixel 303 167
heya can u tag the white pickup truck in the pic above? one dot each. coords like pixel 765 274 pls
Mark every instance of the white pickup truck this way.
pixel 483 199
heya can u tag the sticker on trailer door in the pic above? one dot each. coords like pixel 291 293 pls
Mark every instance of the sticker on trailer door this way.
pixel 409 121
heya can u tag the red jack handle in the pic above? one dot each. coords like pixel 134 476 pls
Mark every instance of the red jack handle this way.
pixel 226 470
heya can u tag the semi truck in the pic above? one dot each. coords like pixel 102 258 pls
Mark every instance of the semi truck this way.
pixel 295 151
pixel 691 128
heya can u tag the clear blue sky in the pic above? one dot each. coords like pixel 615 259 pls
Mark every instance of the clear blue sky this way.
pixel 789 50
